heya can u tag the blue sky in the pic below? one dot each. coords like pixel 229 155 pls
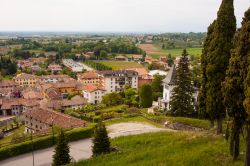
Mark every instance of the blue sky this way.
pixel 112 15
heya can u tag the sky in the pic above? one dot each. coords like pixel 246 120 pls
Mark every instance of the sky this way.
pixel 155 16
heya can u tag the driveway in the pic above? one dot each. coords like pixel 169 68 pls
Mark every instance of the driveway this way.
pixel 81 149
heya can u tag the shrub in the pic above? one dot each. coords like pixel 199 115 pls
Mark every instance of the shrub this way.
pixel 43 142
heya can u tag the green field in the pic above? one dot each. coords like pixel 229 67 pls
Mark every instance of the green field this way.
pixel 120 65
pixel 168 149
pixel 176 52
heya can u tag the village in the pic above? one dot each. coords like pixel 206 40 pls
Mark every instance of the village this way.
pixel 114 83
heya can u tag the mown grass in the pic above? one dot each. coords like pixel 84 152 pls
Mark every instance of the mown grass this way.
pixel 167 149
pixel 176 52
pixel 120 65
pixel 137 119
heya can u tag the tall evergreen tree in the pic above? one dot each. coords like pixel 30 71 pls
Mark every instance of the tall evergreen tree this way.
pixel 61 156
pixel 233 87
pixel 243 48
pixel 202 92
pixel 146 96
pixel 181 101
pixel 101 143
pixel 217 60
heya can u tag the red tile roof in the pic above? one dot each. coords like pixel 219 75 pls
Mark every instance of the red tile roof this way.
pixel 88 75
pixel 56 118
pixel 92 88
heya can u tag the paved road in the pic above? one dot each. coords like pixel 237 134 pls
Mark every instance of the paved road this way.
pixel 80 149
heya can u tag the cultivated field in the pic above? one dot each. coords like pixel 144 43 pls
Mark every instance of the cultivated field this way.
pixel 155 51
pixel 120 65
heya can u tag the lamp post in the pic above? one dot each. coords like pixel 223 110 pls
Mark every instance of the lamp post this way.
pixel 53 135
pixel 31 137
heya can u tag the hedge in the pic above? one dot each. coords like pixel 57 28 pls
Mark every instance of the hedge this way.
pixel 43 142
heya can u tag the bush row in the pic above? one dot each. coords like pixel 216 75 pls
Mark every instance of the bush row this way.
pixel 43 142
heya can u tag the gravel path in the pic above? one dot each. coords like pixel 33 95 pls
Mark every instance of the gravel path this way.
pixel 81 149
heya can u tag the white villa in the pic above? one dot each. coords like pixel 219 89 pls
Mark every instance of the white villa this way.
pixel 168 86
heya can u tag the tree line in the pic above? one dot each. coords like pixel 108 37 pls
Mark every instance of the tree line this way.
pixel 225 76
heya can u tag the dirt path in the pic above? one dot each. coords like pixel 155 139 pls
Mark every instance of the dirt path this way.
pixel 81 149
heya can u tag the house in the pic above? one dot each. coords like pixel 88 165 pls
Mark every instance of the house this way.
pixel 43 119
pixel 121 58
pixel 143 76
pixel 32 93
pixel 150 60
pixel 54 68
pixel 35 68
pixel 163 59
pixel 55 78
pixel 11 107
pixel 89 78
pixel 168 86
pixel 169 83
pixel 24 79
pixel 9 89
pixel 76 102
pixel 93 94
pixel 137 58
pixel 114 81
pixel 8 84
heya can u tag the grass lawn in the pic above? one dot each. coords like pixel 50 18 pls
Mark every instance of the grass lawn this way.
pixel 120 65
pixel 133 119
pixel 167 149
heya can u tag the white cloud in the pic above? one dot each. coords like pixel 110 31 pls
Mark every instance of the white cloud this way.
pixel 112 15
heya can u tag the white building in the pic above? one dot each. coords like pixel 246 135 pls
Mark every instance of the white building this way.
pixel 93 94
pixel 168 86
pixel 114 81
pixel 72 65
pixel 157 72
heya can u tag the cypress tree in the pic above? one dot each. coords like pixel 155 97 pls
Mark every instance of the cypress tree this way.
pixel 202 92
pixel 146 97
pixel 243 48
pixel 217 60
pixel 233 87
pixel 61 156
pixel 181 101
pixel 101 143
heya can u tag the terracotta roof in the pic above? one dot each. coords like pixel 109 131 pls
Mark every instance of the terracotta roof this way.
pixel 140 71
pixel 76 100
pixel 32 94
pixel 7 83
pixel 92 88
pixel 25 76
pixel 8 103
pixel 52 117
pixel 88 75
pixel 55 76
pixel 137 56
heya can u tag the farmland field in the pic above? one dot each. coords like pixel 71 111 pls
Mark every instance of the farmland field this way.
pixel 155 51
pixel 120 65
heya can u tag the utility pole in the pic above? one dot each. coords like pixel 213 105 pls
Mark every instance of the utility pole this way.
pixel 31 137
pixel 53 135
